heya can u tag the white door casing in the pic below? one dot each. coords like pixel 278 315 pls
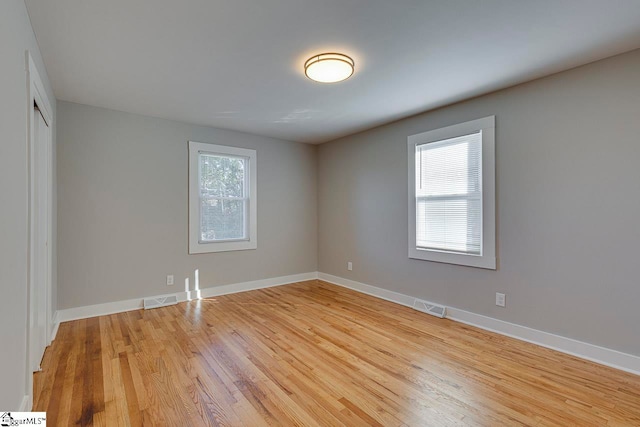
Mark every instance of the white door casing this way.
pixel 40 223
pixel 40 262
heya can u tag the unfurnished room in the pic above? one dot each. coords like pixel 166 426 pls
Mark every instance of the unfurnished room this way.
pixel 320 213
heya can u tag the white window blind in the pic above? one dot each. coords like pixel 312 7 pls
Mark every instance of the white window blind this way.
pixel 448 191
pixel 223 197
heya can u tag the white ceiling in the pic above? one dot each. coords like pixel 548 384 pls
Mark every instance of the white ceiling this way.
pixel 237 64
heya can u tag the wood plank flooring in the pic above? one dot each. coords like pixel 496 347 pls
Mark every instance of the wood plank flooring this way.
pixel 314 354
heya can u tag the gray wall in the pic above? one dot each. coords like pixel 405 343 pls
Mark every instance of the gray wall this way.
pixel 122 207
pixel 16 36
pixel 568 204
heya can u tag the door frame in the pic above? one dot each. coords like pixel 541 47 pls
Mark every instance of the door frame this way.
pixel 36 95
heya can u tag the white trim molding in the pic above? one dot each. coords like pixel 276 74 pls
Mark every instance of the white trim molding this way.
pixel 374 291
pixel 36 344
pixel 54 328
pixel 601 355
pixel 485 128
pixel 25 405
pixel 594 353
pixel 136 303
pixel 250 197
pixel 257 284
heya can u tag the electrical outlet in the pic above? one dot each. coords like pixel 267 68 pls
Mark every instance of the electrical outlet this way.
pixel 350 266
pixel 170 280
pixel 501 299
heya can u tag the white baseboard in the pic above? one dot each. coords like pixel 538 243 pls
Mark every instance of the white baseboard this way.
pixel 604 356
pixel 135 304
pixel 613 358
pixel 368 289
pixel 25 406
pixel 95 310
pixel 256 284
pixel 54 331
pixel 54 328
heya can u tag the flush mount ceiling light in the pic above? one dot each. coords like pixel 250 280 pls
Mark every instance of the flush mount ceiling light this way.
pixel 329 67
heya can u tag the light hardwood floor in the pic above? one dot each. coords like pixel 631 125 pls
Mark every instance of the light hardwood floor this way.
pixel 316 354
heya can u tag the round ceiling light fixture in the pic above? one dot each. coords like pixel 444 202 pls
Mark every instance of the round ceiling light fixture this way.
pixel 329 67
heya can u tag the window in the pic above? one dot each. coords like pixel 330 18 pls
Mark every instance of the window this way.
pixel 452 194
pixel 222 198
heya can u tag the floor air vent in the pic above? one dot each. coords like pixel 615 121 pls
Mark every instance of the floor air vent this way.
pixel 430 308
pixel 156 302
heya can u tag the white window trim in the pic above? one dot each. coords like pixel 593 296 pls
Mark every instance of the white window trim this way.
pixel 195 245
pixel 488 257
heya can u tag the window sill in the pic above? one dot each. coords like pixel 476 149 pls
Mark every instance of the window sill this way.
pixel 453 258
